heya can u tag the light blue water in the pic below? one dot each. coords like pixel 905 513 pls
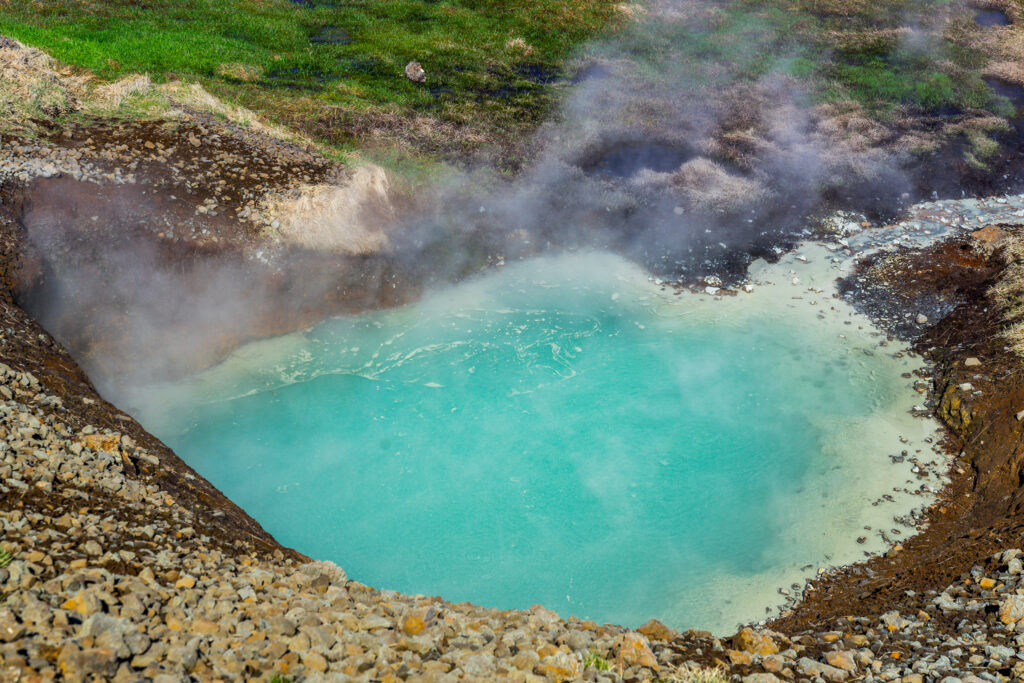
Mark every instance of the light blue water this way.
pixel 555 434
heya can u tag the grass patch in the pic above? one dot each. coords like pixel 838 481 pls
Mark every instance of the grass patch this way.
pixel 489 63
pixel 595 660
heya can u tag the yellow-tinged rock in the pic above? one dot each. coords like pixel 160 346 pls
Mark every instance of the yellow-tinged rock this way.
pixel 314 661
pixel 204 627
pixel 561 667
pixel 185 582
pixel 83 603
pixel 634 651
pixel 106 443
pixel 412 625
pixel 1011 610
pixel 173 623
pixel 546 650
pixel 749 640
pixel 655 630
pixel 987 583
pixel 738 658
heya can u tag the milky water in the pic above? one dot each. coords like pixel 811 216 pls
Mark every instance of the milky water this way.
pixel 564 432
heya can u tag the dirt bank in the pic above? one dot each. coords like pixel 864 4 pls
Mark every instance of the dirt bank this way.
pixel 977 389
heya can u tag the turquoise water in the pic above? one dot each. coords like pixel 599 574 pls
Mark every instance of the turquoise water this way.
pixel 559 433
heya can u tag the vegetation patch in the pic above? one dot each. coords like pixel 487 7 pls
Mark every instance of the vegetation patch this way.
pixel 331 62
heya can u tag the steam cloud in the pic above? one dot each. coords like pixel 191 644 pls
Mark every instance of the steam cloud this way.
pixel 678 159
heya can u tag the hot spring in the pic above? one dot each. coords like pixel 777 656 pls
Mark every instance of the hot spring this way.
pixel 567 432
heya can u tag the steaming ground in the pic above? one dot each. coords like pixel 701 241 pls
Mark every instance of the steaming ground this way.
pixel 566 432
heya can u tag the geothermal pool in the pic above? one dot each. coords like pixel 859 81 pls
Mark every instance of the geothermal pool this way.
pixel 565 432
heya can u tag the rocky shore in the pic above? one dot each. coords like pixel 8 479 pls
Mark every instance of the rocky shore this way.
pixel 119 562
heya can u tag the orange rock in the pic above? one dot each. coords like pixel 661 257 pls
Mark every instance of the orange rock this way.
pixel 656 630
pixel 106 443
pixel 634 650
pixel 987 583
pixel 412 625
pixel 546 650
pixel 990 234
pixel 749 640
pixel 740 658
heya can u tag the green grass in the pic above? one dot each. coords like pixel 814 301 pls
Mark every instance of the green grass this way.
pixel 5 558
pixel 595 660
pixel 485 59
pixel 495 68
pixel 837 52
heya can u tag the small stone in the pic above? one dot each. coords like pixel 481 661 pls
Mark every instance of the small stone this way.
pixel 185 582
pixel 83 665
pixel 972 362
pixel 415 73
pixel 749 640
pixel 987 583
pixel 761 678
pixel 412 625
pixel 560 667
pixel 1012 609
pixel 634 650
pixel 10 629
pixel 922 319
pixel 655 630
pixel 841 660
pixel 314 661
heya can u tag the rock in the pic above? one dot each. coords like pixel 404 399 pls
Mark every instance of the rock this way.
pixel 893 621
pixel 809 667
pixel 655 630
pixel 314 661
pixel 634 651
pixel 560 667
pixel 415 73
pixel 841 660
pixel 972 362
pixel 10 629
pixel 1011 609
pixel 738 658
pixel 412 624
pixel 749 640
pixel 1019 415
pixel 526 660
pixel 281 626
pixel 82 665
pixel 922 319
pixel 761 678
pixel 84 603
pixel 185 582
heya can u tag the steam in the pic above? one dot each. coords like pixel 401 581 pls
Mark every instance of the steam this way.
pixel 692 164
pixel 689 157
